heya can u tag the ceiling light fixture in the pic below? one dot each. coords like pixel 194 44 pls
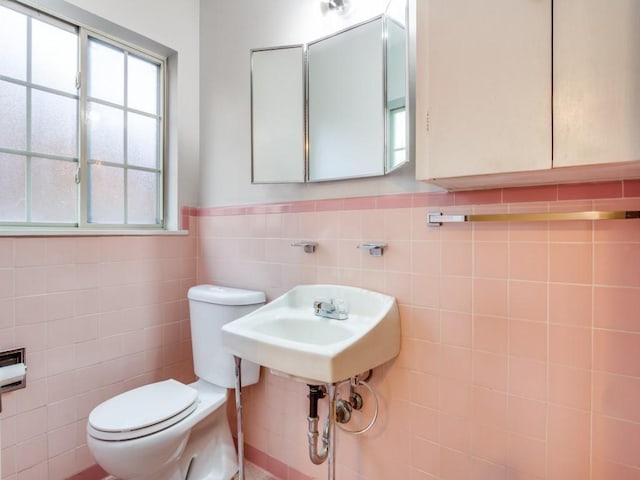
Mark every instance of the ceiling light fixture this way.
pixel 338 6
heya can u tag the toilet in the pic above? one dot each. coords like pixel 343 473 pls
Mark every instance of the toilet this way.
pixel 171 431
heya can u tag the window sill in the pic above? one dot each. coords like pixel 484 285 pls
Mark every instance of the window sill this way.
pixel 104 232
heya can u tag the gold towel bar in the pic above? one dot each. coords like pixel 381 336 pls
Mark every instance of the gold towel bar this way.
pixel 437 219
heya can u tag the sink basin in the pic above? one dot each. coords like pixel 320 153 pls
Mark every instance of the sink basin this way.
pixel 286 336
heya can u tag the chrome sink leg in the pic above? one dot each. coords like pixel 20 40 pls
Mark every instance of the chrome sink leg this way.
pixel 240 433
pixel 331 390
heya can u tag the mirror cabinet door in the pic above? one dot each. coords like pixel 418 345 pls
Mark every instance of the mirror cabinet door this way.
pixel 277 115
pixel 346 111
pixel 396 95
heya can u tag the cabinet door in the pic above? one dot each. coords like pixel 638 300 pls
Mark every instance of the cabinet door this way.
pixel 483 88
pixel 596 78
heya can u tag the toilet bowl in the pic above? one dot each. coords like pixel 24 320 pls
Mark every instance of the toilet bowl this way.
pixel 171 431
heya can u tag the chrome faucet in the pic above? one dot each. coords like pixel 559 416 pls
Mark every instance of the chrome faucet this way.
pixel 331 308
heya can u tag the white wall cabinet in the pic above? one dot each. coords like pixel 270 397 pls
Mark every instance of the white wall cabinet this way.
pixel 596 82
pixel 483 87
pixel 484 90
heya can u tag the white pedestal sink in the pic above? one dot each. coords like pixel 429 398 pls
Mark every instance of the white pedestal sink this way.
pixel 289 338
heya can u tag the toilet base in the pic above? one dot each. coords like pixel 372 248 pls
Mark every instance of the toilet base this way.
pixel 208 455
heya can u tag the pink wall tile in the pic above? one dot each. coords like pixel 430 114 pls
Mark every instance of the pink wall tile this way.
pixel 616 395
pixel 604 469
pixel 490 333
pixel 456 258
pixel 528 300
pixel 489 443
pixel 527 457
pixel 456 328
pixel 490 259
pixel 570 304
pixel 490 370
pixel 570 387
pixel 454 464
pixel 455 293
pixel 615 264
pixel 547 193
pixel 478 197
pixel 616 440
pixel 527 417
pixel 616 308
pixel 616 352
pixel 571 263
pixel 528 378
pixel 528 261
pixel 490 297
pixel 574 191
pixel 489 407
pixel 528 340
pixel 569 345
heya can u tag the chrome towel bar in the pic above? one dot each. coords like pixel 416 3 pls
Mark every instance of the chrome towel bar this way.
pixel 437 219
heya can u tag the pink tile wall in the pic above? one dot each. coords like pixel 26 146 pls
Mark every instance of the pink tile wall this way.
pixel 521 341
pixel 97 315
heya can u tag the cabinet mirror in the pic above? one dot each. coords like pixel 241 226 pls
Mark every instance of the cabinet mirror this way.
pixel 277 115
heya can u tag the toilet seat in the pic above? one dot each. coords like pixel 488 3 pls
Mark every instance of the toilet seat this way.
pixel 142 411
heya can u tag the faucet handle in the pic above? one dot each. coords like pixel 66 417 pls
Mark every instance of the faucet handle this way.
pixel 341 305
pixel 323 304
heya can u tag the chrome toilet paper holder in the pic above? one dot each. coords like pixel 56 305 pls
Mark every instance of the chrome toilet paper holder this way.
pixel 12 371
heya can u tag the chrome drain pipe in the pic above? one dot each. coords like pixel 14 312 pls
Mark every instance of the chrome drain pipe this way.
pixel 317 457
pixel 327 451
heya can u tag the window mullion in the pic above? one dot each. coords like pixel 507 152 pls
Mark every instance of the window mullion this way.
pixel 29 90
pixel 83 197
pixel 126 133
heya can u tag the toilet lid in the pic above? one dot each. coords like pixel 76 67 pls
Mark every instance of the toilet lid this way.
pixel 142 411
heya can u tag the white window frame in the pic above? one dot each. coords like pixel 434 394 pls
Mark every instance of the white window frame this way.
pixel 82 226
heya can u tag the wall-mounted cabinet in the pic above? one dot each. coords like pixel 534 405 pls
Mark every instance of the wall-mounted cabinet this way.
pixel 596 82
pixel 484 90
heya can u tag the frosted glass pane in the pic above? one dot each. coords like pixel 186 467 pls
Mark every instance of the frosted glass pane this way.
pixel 142 141
pixel 141 197
pixel 105 128
pixel 12 188
pixel 13 44
pixel 54 124
pixel 54 57
pixel 142 85
pixel 54 193
pixel 106 194
pixel 106 72
pixel 13 120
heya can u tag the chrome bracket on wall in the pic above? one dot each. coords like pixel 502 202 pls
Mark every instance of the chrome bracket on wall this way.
pixel 376 249
pixel 437 219
pixel 308 247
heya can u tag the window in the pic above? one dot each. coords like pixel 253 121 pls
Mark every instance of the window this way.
pixel 81 130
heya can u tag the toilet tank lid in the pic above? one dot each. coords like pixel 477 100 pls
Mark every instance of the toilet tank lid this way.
pixel 225 295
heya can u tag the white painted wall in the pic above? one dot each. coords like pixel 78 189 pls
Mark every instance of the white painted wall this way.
pixel 228 30
pixel 173 24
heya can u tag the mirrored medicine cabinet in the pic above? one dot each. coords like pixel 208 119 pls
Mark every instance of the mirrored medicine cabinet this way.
pixel 335 108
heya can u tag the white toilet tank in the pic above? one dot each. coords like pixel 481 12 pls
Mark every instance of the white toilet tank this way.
pixel 210 307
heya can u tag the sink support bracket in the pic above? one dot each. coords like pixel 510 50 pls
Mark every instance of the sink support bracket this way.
pixel 238 389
